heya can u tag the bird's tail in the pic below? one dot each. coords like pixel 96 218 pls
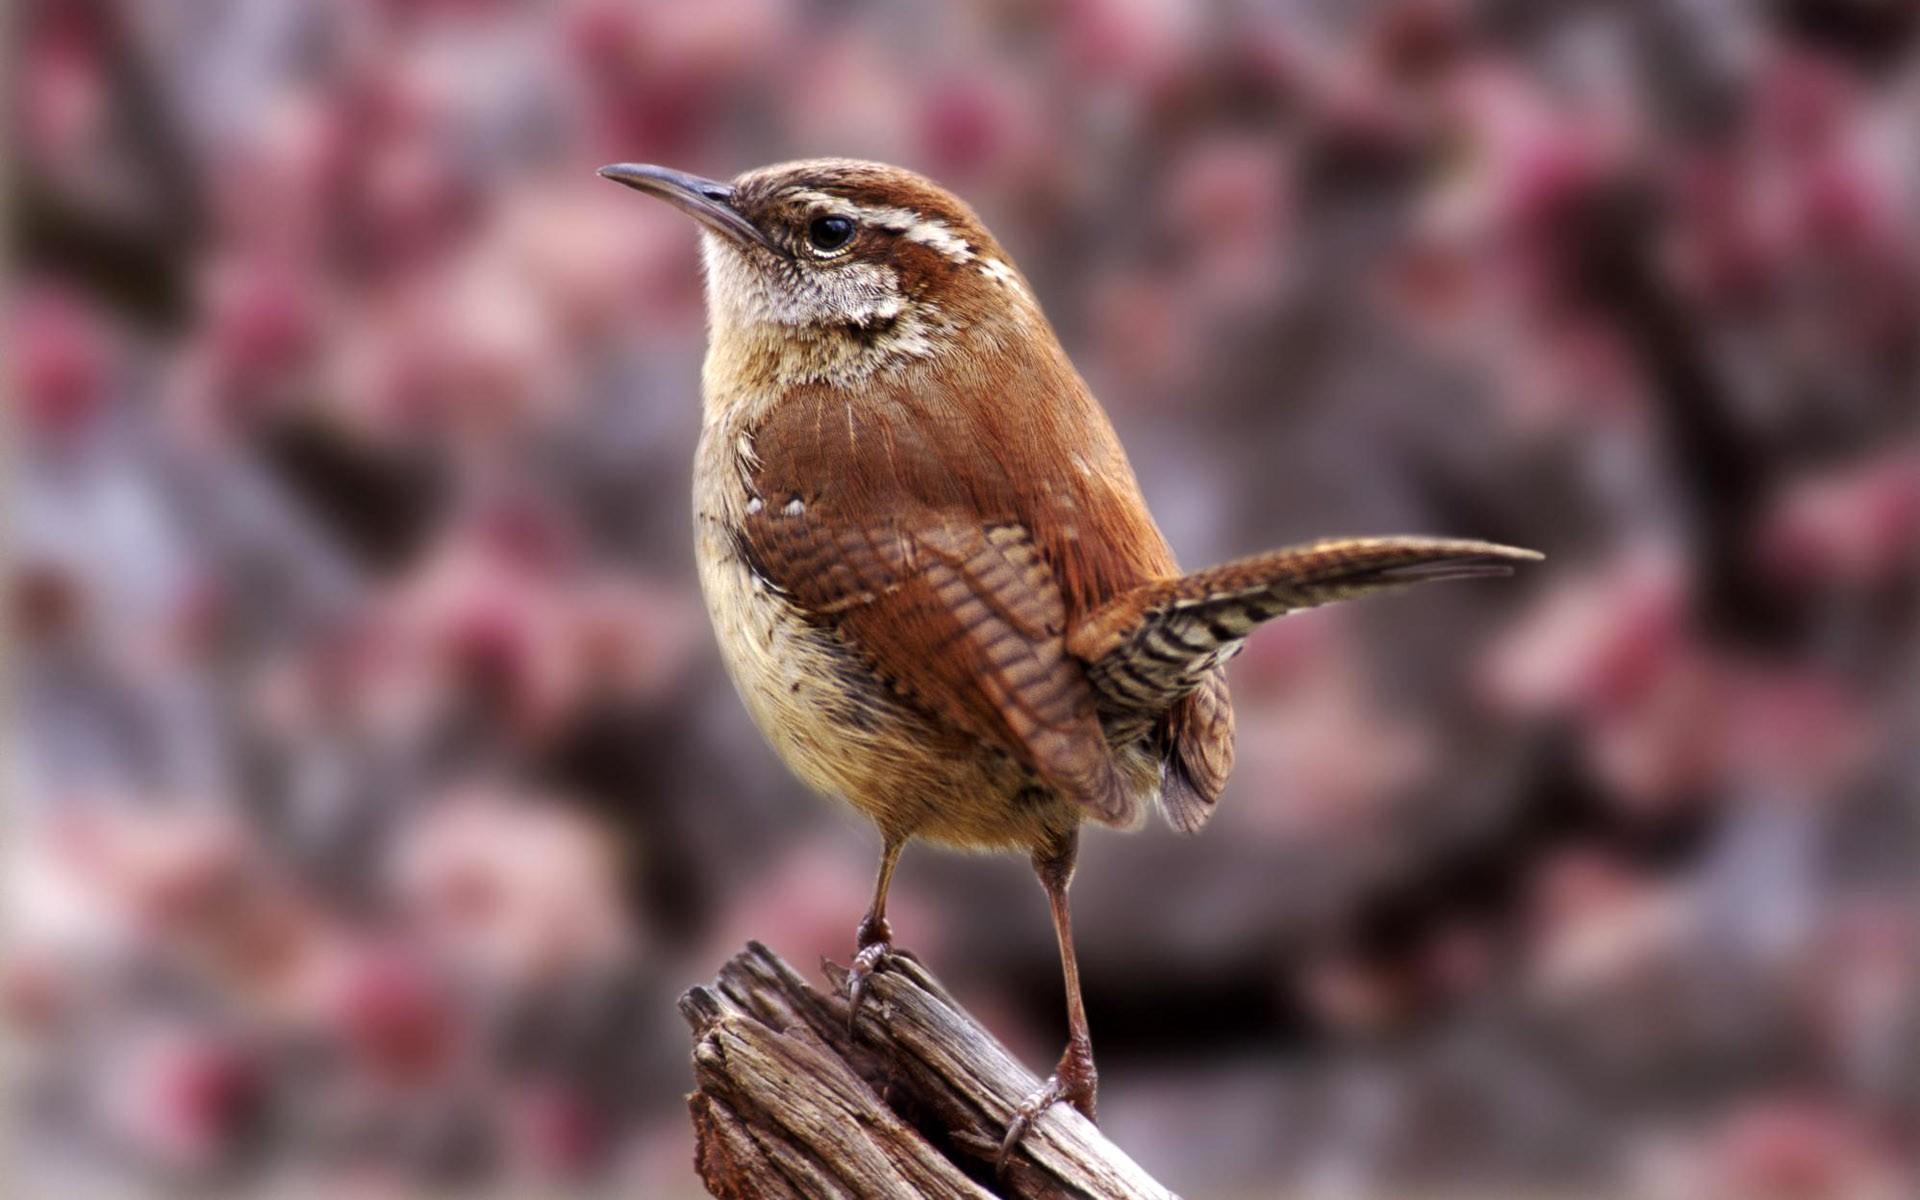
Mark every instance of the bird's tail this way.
pixel 1148 648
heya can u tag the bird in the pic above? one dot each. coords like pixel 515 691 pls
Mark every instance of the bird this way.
pixel 931 572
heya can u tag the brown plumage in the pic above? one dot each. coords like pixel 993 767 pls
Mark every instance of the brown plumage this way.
pixel 932 573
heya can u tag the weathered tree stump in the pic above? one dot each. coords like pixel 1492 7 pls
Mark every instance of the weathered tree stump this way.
pixel 790 1103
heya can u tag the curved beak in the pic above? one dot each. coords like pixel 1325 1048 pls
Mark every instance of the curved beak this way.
pixel 705 200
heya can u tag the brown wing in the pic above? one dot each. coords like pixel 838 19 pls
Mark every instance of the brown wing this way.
pixel 934 581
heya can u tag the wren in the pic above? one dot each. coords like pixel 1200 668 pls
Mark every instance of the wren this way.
pixel 932 574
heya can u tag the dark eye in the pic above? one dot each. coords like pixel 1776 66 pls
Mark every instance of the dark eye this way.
pixel 829 233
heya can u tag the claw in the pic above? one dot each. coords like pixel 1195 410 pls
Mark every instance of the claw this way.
pixel 1051 1093
pixel 1073 1081
pixel 869 959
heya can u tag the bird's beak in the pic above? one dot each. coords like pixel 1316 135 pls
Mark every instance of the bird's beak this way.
pixel 705 200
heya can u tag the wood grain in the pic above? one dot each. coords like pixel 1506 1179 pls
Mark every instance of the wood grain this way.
pixel 790 1103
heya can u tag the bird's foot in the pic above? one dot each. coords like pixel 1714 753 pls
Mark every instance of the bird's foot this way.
pixel 868 961
pixel 1073 1080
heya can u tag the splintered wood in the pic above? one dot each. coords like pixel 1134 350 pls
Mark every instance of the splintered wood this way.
pixel 791 1104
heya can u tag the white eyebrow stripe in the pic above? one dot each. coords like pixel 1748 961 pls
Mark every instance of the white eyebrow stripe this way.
pixel 822 200
pixel 915 227
pixel 1002 274
pixel 940 236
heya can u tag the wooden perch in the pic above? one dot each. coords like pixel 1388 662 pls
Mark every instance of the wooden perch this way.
pixel 790 1104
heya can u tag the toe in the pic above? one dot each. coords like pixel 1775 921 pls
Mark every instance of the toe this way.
pixel 1050 1094
pixel 868 961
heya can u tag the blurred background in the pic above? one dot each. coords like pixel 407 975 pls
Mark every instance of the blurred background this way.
pixel 373 784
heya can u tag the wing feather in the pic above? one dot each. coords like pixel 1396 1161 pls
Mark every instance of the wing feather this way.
pixel 956 608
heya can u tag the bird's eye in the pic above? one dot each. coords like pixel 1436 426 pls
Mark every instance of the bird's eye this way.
pixel 827 234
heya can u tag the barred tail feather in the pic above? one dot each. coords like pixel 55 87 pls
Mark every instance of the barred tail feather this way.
pixel 1149 648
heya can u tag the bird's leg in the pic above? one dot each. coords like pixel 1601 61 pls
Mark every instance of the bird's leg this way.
pixel 1074 1079
pixel 875 936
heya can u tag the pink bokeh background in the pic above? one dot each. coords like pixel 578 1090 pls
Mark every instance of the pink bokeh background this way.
pixel 373 786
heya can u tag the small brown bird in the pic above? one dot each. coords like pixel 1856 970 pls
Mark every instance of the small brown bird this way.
pixel 934 580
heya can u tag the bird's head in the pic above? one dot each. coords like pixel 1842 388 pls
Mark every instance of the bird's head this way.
pixel 858 265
